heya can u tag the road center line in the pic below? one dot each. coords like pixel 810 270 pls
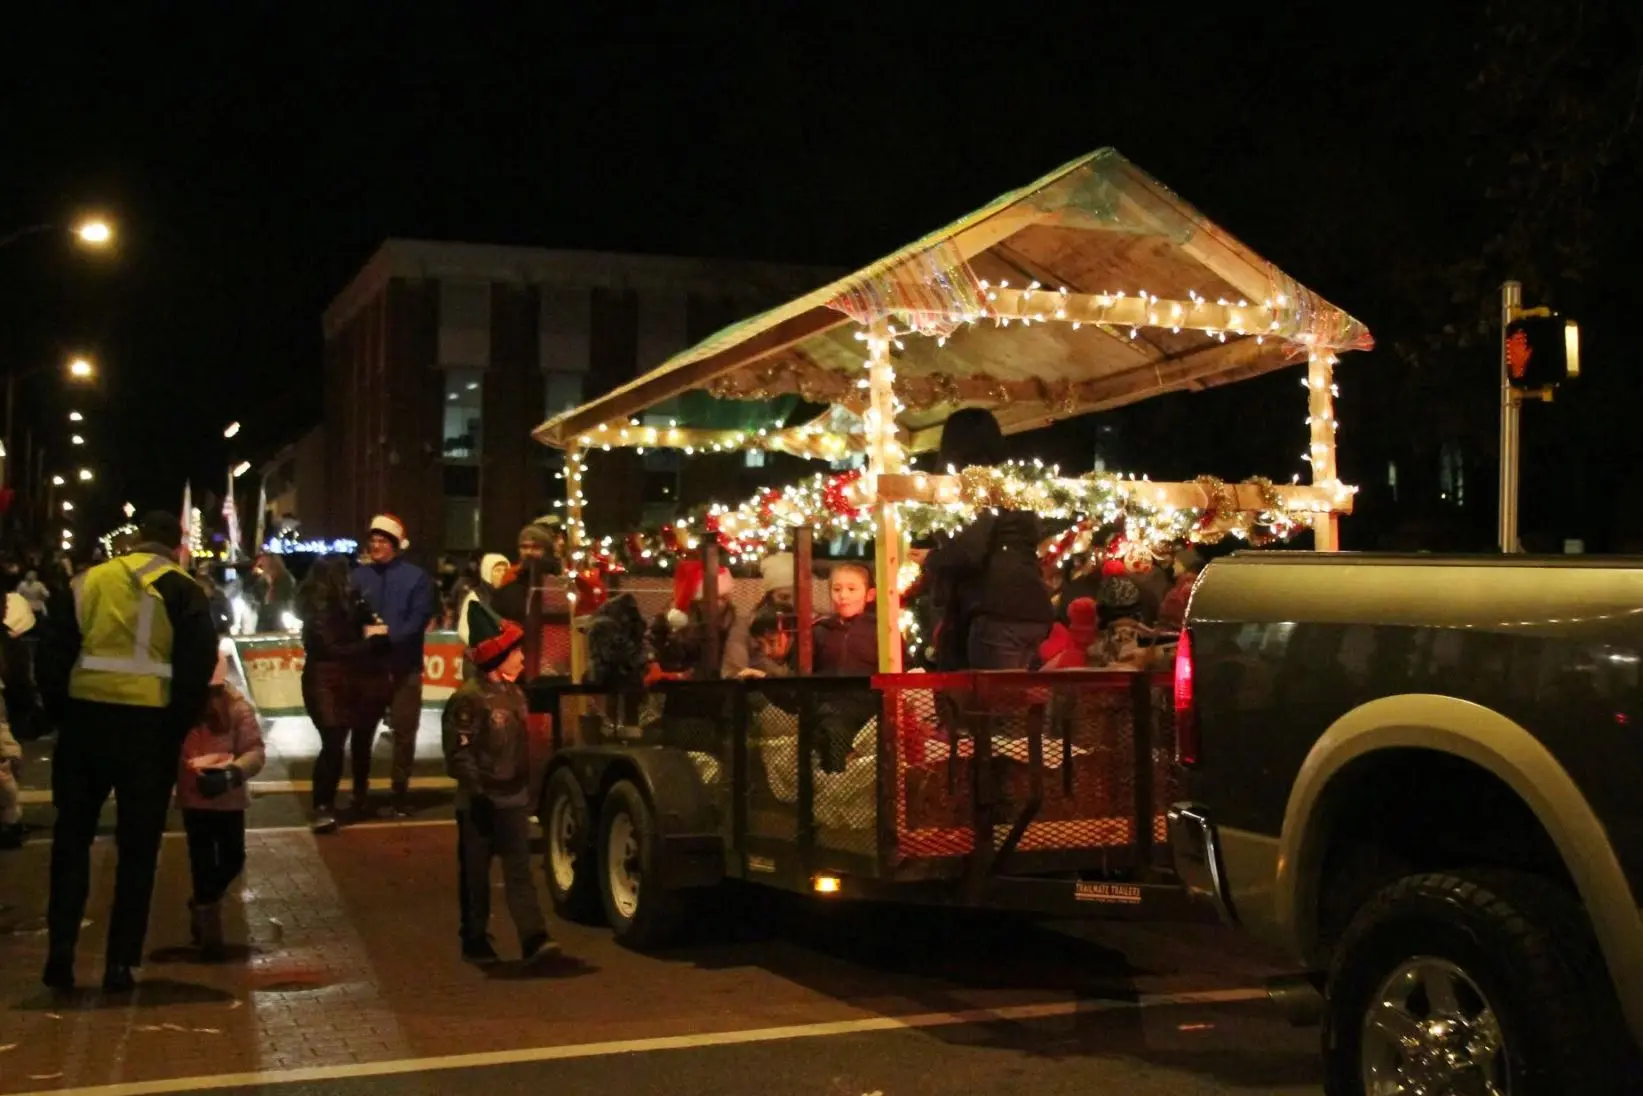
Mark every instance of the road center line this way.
pixel 1009 1014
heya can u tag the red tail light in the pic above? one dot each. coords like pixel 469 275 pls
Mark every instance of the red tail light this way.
pixel 1186 715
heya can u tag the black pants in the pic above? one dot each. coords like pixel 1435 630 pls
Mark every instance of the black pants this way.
pixel 505 833
pixel 402 707
pixel 328 767
pixel 133 752
pixel 216 851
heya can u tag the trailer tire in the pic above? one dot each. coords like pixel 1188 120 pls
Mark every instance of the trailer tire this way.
pixel 571 858
pixel 642 914
pixel 1503 959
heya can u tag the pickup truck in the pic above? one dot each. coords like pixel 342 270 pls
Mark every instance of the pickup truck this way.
pixel 1422 776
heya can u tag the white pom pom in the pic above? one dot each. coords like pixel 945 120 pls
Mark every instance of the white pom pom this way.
pixel 676 619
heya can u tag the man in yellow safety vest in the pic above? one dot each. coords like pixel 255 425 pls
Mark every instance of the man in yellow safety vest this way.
pixel 127 675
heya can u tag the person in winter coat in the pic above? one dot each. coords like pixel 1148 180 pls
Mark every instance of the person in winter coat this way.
pixel 1172 614
pixel 221 752
pixel 33 591
pixel 403 596
pixel 493 570
pixel 342 672
pixel 995 607
pixel 275 593
pixel 512 598
pixel 11 759
pixel 776 575
pixel 487 751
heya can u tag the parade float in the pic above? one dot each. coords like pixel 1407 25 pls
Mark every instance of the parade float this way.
pixel 1089 289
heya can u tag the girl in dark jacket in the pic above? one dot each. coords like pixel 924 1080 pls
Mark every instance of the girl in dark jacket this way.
pixel 995 609
pixel 338 680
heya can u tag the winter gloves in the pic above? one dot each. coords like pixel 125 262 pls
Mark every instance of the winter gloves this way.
pixel 215 782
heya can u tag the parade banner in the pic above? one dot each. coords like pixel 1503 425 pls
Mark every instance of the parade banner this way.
pixel 272 668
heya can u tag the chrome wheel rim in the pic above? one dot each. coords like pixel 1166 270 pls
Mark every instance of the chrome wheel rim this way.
pixel 561 842
pixel 621 866
pixel 1430 1031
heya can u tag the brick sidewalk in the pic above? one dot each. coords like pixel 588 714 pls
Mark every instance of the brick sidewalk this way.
pixel 352 957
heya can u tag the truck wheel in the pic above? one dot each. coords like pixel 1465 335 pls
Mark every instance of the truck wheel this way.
pixel 642 914
pixel 1478 981
pixel 571 862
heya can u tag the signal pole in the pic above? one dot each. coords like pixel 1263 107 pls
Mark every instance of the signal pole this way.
pixel 1511 412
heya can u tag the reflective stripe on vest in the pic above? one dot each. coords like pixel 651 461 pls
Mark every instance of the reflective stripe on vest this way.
pixel 122 660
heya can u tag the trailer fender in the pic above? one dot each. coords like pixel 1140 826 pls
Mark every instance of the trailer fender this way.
pixel 685 818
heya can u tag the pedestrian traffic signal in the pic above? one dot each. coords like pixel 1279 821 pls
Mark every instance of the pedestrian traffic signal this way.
pixel 1542 351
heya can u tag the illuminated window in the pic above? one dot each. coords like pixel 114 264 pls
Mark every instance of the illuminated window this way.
pixel 464 391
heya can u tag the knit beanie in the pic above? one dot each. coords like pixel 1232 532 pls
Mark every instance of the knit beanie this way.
pixel 777 571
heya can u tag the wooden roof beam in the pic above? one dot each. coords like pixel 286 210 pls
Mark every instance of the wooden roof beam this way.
pixel 651 390
pixel 1219 317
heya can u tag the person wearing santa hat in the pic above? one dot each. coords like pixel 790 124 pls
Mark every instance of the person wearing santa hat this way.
pixel 404 598
pixel 487 751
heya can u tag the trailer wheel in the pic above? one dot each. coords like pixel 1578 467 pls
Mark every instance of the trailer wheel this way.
pixel 571 861
pixel 1480 981
pixel 642 914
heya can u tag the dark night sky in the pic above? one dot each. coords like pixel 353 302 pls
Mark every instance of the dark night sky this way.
pixel 254 163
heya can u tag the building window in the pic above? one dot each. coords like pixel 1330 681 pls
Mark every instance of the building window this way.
pixel 754 458
pixel 461 524
pixel 463 399
pixel 564 390
pixel 464 323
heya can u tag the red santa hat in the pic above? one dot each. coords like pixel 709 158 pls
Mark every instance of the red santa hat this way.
pixel 687 583
pixel 392 528
pixel 489 653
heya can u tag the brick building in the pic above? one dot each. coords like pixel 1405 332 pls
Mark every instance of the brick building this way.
pixel 440 358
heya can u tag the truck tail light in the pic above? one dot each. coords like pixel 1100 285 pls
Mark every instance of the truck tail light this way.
pixel 1186 715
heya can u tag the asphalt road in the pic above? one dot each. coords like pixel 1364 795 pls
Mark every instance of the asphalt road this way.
pixel 778 998
pixel 1158 1052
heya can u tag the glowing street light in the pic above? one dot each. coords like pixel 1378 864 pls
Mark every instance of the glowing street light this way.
pixel 130 511
pixel 242 468
pixel 77 440
pixel 57 481
pixel 75 416
pixel 231 429
pixel 85 475
pixel 80 367
pixel 67 506
pixel 94 231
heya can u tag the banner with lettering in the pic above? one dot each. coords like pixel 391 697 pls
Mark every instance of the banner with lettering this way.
pixel 272 669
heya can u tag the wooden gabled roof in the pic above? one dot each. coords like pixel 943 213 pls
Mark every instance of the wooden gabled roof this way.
pixel 1090 288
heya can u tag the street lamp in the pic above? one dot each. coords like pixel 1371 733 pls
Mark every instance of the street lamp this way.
pixel 94 232
pixel 75 416
pixel 67 506
pixel 231 429
pixel 80 367
pixel 57 481
pixel 241 469
pixel 85 475
pixel 77 439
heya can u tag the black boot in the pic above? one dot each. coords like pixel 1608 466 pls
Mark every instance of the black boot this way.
pixel 118 978
pixel 59 972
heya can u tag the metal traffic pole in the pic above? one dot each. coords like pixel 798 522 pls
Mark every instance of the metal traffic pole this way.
pixel 1511 422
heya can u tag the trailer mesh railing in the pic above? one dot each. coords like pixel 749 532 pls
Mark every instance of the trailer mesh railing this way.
pixel 974 751
pixel 912 767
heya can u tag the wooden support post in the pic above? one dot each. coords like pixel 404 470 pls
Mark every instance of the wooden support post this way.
pixel 575 538
pixel 712 655
pixel 884 457
pixel 1320 417
pixel 804 597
